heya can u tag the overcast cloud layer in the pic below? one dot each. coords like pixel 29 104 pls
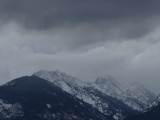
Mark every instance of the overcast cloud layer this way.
pixel 84 38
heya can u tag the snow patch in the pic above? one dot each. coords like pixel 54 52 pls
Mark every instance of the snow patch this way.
pixel 49 106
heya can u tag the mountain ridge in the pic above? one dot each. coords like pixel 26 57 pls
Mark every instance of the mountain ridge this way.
pixel 34 98
pixel 84 90
pixel 106 97
pixel 150 113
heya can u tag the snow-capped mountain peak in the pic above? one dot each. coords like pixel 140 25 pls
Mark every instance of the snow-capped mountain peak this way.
pixel 33 98
pixel 108 80
pixel 138 91
pixel 104 94
pixel 62 80
pixel 110 85
pixel 135 86
pixel 58 76
pixel 89 92
pixel 134 95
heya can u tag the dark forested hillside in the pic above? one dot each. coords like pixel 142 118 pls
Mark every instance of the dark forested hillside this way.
pixel 33 98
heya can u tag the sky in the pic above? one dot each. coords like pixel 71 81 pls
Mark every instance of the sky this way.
pixel 83 38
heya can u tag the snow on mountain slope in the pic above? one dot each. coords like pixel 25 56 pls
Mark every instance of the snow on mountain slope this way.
pixel 140 93
pixel 151 113
pixel 68 83
pixel 110 86
pixel 62 80
pixel 155 103
pixel 34 98
pixel 134 95
pixel 88 93
pixel 9 111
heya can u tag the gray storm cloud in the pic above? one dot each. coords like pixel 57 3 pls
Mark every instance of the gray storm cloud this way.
pixel 97 21
pixel 85 38
pixel 50 14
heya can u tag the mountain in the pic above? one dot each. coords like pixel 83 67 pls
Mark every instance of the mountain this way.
pixel 154 104
pixel 89 93
pixel 109 86
pixel 151 113
pixel 34 98
pixel 138 93
pixel 48 95
pixel 134 95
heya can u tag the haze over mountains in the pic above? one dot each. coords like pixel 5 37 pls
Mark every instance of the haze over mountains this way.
pixel 51 95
